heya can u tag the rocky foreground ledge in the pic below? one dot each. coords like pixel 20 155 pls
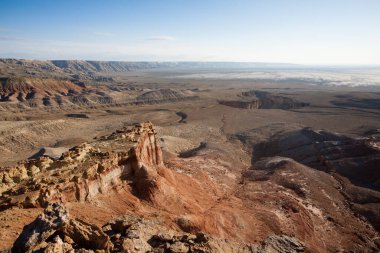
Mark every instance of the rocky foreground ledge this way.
pixel 55 231
pixel 116 194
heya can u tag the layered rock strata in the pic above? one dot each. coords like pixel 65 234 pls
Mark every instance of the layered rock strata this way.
pixel 85 171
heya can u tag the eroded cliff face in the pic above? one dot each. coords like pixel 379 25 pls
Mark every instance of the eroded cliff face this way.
pixel 86 170
pixel 263 100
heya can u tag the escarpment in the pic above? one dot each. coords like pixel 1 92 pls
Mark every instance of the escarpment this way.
pixel 263 100
pixel 55 93
pixel 86 170
pixel 34 92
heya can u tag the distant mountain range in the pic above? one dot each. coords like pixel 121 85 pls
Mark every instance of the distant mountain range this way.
pixel 104 71
pixel 26 66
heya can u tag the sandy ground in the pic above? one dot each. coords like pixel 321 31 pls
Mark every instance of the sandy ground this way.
pixel 24 133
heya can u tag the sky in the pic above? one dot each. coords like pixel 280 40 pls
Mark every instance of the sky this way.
pixel 282 31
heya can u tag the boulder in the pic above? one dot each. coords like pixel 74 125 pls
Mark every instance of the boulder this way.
pixel 34 235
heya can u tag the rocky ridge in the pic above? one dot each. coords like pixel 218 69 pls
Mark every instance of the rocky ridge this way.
pixel 353 161
pixel 356 158
pixel 278 205
pixel 161 94
pixel 55 231
pixel 69 68
pixel 94 69
pixel 45 93
pixel 84 171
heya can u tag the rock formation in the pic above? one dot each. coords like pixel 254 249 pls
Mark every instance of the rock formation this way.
pixel 85 171
pixel 252 104
pixel 354 162
pixel 48 92
pixel 161 94
pixel 263 100
pixel 354 158
pixel 123 196
pixel 55 231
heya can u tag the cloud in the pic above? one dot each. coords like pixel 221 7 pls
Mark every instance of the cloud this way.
pixel 161 37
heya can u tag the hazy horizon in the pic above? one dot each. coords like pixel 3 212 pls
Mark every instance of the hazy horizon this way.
pixel 270 64
pixel 291 32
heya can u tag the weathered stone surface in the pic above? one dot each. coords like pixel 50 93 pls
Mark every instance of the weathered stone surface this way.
pixel 86 170
pixel 37 233
pixel 54 231
pixel 58 246
pixel 283 243
pixel 178 247
pixel 87 236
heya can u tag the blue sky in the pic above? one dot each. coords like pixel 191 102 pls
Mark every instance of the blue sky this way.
pixel 294 31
